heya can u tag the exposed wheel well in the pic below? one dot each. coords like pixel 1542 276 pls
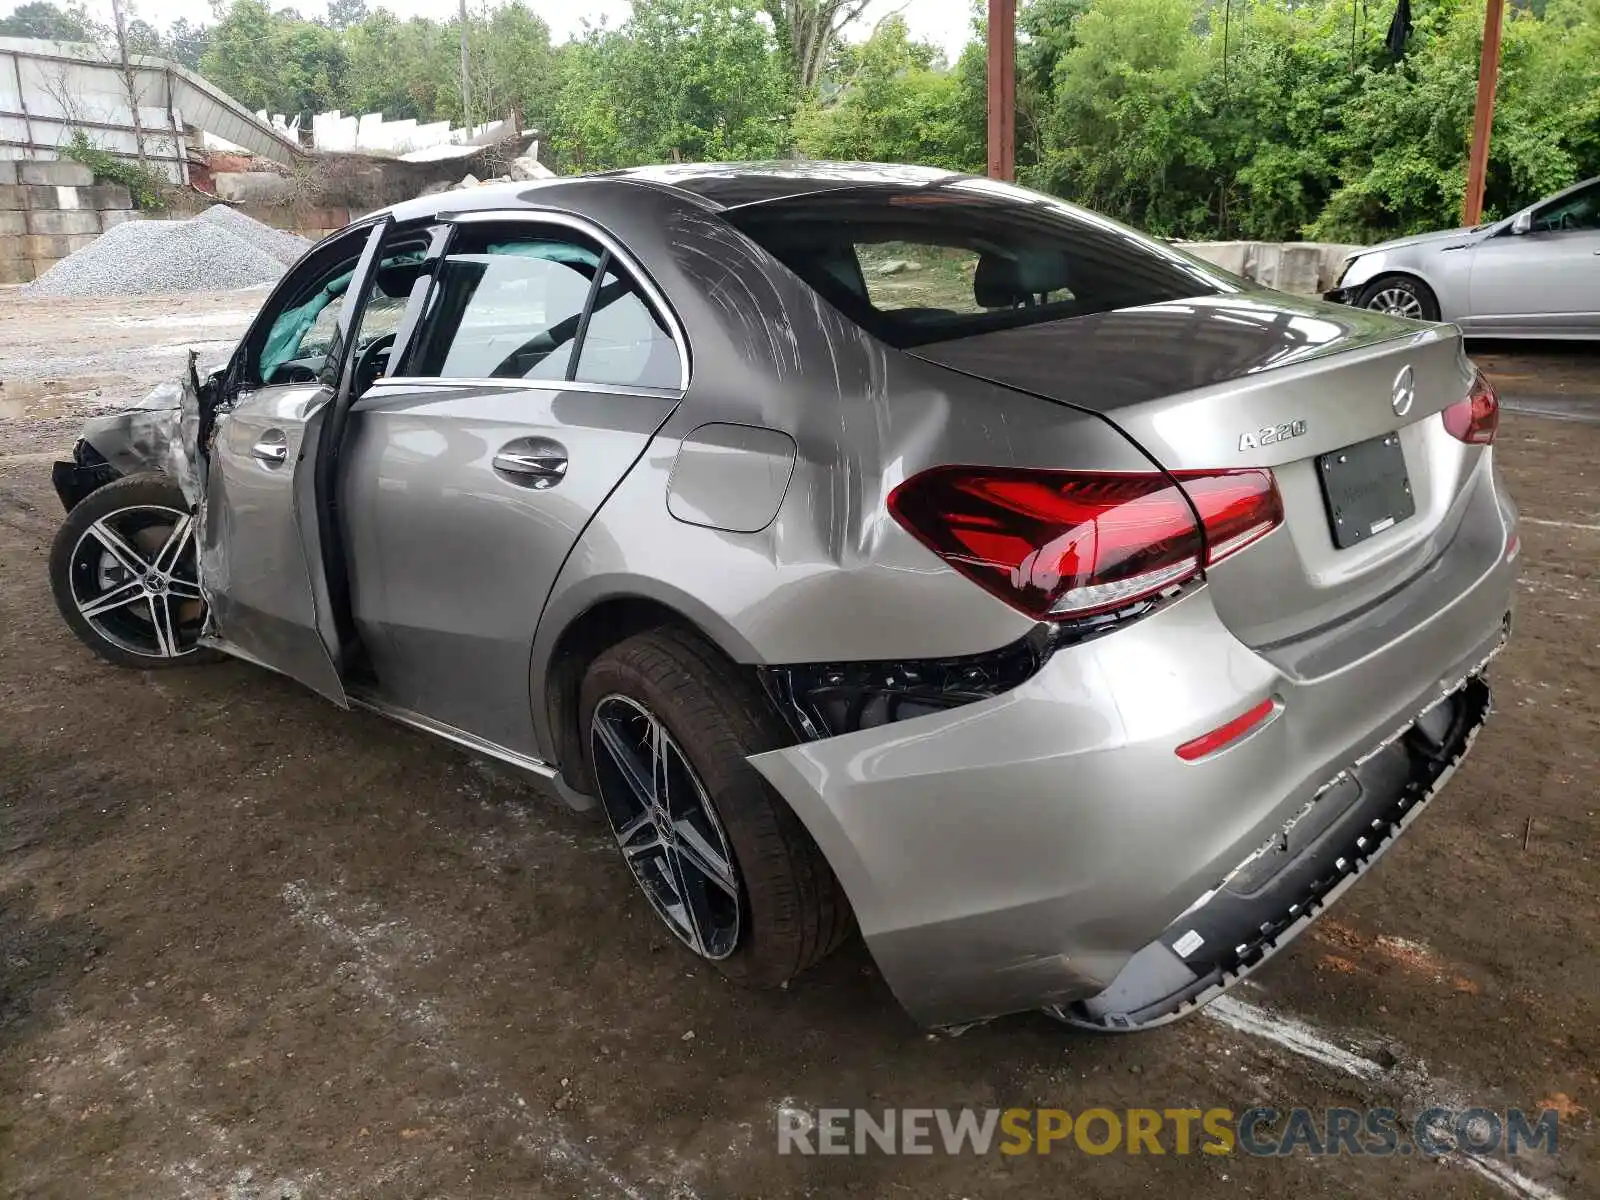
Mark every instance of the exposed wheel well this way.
pixel 598 629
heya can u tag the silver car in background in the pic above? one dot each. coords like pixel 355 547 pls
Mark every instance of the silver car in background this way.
pixel 871 546
pixel 1536 274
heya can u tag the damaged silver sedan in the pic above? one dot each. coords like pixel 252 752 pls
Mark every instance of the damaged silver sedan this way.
pixel 868 545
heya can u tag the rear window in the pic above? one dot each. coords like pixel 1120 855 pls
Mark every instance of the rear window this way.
pixel 929 264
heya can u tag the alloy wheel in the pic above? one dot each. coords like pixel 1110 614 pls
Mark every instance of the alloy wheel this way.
pixel 1397 302
pixel 134 579
pixel 666 827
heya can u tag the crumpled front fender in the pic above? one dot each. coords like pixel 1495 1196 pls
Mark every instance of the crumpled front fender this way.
pixel 160 433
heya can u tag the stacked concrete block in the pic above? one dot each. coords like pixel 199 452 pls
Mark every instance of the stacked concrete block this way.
pixel 49 210
pixel 1304 268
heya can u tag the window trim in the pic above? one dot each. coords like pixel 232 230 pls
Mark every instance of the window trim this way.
pixel 653 296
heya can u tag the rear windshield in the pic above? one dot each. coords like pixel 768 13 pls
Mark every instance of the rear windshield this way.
pixel 930 264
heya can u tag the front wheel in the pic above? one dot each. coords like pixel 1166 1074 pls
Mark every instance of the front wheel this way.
pixel 1400 296
pixel 124 572
pixel 724 862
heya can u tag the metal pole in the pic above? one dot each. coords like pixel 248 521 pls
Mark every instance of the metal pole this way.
pixel 1483 112
pixel 466 82
pixel 1002 89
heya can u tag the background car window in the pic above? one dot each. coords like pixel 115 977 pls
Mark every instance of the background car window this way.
pixel 626 342
pixel 509 310
pixel 1578 211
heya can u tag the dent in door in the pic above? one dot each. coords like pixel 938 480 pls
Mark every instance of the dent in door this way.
pixel 264 502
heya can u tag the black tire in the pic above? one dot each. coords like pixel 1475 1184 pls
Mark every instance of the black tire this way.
pixel 795 913
pixel 137 498
pixel 1373 296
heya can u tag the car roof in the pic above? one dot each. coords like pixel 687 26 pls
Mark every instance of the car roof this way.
pixel 716 185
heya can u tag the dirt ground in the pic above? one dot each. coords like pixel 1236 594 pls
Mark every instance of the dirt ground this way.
pixel 254 947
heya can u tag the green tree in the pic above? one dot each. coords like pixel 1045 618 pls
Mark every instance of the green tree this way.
pixel 894 105
pixel 275 60
pixel 806 32
pixel 515 69
pixel 690 80
pixel 41 19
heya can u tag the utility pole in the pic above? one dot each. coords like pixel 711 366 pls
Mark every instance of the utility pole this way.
pixel 1002 89
pixel 466 80
pixel 129 81
pixel 1483 111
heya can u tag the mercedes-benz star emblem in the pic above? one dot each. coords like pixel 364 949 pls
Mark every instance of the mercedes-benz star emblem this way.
pixel 1405 391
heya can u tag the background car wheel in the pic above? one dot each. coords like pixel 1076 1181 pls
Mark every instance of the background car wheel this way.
pixel 1400 296
pixel 123 570
pixel 722 859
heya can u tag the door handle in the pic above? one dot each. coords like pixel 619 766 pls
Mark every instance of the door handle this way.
pixel 272 449
pixel 538 463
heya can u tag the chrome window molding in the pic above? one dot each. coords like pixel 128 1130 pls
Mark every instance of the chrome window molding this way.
pixel 653 294
pixel 412 383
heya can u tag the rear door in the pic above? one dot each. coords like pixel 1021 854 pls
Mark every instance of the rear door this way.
pixel 1545 281
pixel 543 365
pixel 261 540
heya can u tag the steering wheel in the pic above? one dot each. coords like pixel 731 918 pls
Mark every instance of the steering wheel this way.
pixel 372 362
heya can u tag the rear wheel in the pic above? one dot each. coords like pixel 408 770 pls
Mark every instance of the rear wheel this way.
pixel 1400 296
pixel 124 572
pixel 724 863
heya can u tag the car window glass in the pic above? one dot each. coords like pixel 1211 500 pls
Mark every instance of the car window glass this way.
pixel 916 265
pixel 626 341
pixel 298 339
pixel 1581 210
pixel 508 307
pixel 918 275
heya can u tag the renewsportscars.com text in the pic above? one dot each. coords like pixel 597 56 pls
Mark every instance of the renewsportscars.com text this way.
pixel 1261 1132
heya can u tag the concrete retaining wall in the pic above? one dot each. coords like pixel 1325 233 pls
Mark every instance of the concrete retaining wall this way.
pixel 1306 268
pixel 48 210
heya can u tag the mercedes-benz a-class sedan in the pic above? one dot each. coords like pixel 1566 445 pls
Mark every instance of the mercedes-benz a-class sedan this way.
pixel 871 546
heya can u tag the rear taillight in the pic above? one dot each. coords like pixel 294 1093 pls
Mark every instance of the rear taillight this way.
pixel 1475 419
pixel 1064 544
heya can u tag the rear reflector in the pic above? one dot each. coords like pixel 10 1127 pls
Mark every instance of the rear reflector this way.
pixel 1064 544
pixel 1225 735
pixel 1475 419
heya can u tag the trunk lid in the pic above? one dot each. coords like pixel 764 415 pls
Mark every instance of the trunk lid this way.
pixel 1264 380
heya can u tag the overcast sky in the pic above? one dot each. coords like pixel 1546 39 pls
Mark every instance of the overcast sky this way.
pixel 944 22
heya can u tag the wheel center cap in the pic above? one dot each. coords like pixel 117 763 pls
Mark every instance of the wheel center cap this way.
pixel 155 584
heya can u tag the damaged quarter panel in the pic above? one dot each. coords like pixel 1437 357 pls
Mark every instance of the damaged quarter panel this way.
pixel 832 568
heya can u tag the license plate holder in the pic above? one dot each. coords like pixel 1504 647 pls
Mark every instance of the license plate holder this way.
pixel 1366 489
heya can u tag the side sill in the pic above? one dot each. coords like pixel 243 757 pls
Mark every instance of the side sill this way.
pixel 450 733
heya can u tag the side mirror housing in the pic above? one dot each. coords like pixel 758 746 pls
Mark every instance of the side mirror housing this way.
pixel 1522 223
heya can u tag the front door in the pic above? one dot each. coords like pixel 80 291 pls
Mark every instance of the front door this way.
pixel 535 381
pixel 261 540
pixel 1546 280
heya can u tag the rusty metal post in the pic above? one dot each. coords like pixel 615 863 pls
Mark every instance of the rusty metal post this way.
pixel 1483 112
pixel 1002 89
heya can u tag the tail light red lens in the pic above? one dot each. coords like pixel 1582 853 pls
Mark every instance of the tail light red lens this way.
pixel 1475 419
pixel 1064 544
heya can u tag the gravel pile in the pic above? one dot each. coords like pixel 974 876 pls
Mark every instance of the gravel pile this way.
pixel 284 246
pixel 146 257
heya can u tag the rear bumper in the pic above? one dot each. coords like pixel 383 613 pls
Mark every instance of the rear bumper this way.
pixel 1040 849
